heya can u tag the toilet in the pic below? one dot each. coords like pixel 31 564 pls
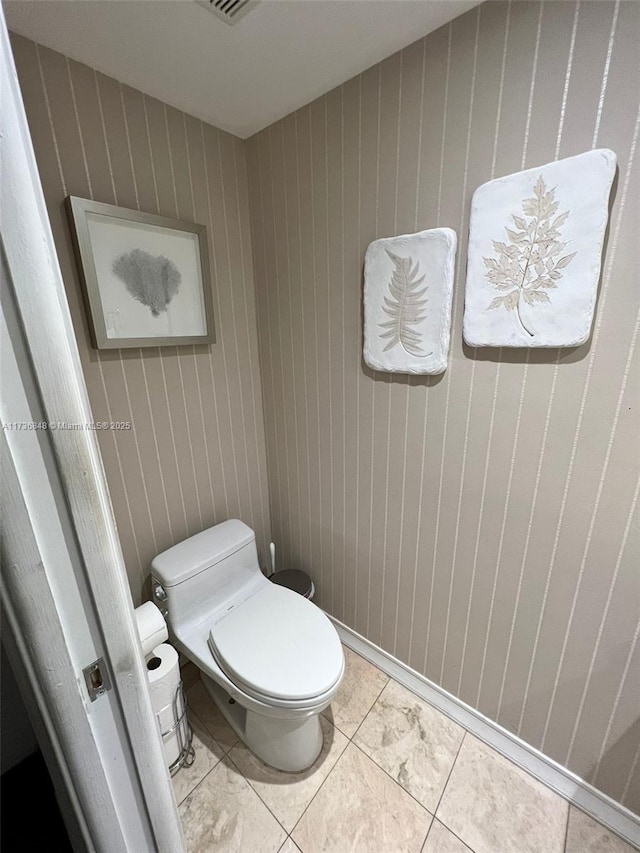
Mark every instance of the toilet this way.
pixel 269 658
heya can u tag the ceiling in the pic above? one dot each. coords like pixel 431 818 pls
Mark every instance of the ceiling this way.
pixel 241 78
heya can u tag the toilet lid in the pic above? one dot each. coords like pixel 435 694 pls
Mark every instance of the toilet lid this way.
pixel 278 644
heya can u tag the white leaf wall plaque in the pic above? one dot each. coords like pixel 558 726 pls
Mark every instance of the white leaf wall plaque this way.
pixel 535 252
pixel 408 287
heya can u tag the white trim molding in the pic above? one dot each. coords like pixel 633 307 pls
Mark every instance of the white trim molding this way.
pixel 581 794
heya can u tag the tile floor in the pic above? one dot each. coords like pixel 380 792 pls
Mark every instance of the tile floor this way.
pixel 394 776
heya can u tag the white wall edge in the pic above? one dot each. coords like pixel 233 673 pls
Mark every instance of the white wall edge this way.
pixel 579 793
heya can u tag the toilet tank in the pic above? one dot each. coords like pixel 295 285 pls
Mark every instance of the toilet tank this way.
pixel 200 575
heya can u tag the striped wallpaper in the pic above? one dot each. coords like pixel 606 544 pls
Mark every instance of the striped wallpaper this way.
pixel 480 525
pixel 195 454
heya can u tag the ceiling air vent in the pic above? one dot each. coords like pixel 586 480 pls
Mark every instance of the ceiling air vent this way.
pixel 229 11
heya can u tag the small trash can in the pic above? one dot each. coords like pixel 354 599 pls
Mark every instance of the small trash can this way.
pixel 296 580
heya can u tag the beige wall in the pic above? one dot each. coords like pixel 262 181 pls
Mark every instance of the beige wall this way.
pixel 195 455
pixel 477 525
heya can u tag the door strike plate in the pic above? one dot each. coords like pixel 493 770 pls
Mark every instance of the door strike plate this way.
pixel 96 677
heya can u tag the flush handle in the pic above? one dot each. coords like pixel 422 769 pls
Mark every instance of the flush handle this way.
pixel 159 592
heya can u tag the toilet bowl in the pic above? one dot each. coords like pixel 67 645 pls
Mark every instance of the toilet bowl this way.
pixel 269 658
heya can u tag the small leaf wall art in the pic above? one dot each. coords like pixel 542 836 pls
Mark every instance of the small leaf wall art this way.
pixel 405 305
pixel 408 287
pixel 535 247
pixel 532 262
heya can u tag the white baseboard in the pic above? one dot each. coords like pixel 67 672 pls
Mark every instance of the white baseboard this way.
pixel 614 816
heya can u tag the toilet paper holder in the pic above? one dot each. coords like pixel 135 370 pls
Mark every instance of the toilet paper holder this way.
pixel 183 730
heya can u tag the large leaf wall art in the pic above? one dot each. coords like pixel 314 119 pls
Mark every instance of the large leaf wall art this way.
pixel 535 249
pixel 408 286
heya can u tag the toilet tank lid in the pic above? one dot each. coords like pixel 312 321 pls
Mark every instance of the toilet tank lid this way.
pixel 200 552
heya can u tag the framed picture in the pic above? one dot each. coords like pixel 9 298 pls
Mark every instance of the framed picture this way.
pixel 146 277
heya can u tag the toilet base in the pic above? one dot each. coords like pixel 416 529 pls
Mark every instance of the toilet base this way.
pixel 289 745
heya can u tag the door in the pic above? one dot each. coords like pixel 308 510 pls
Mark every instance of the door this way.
pixel 65 596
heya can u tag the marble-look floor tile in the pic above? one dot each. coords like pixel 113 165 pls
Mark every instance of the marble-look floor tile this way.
pixel 360 687
pixel 199 701
pixel 225 815
pixel 208 753
pixel 288 794
pixel 492 805
pixel 189 674
pixel 289 846
pixel 413 742
pixel 360 809
pixel 440 840
pixel 585 835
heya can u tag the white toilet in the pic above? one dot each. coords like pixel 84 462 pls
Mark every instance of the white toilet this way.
pixel 270 659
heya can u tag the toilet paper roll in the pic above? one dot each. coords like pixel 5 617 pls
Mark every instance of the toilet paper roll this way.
pixel 163 667
pixel 152 629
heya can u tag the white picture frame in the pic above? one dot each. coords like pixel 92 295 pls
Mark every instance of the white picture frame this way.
pixel 145 277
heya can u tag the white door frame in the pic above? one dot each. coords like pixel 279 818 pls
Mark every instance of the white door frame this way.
pixel 65 589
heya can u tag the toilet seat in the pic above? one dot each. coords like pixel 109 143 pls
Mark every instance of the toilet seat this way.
pixel 276 644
